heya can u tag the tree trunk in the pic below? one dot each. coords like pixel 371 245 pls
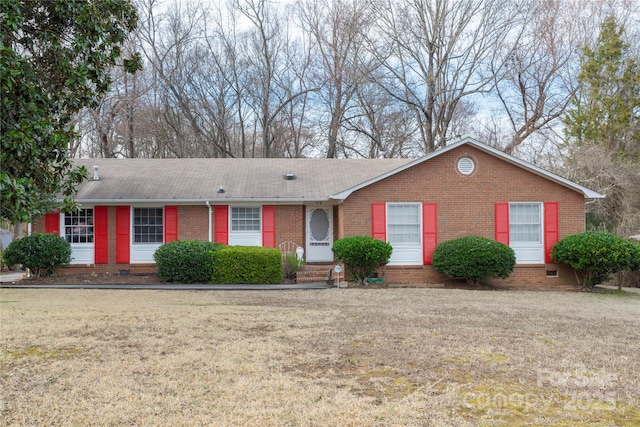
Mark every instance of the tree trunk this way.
pixel 17 234
pixel 18 228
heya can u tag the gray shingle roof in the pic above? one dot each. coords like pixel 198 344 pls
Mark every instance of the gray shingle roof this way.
pixel 193 180
pixel 184 180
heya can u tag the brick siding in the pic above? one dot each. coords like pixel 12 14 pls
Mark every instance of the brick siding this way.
pixel 465 207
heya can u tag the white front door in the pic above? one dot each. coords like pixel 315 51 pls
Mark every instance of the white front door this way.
pixel 319 233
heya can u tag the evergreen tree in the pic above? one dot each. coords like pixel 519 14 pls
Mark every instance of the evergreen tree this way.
pixel 55 58
pixel 603 130
pixel 606 109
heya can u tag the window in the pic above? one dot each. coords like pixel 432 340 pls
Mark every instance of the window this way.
pixel 404 233
pixel 525 232
pixel 78 226
pixel 245 219
pixel 525 222
pixel 403 224
pixel 147 225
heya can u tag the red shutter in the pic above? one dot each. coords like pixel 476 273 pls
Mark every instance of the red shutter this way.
pixel 550 228
pixel 222 224
pixel 52 223
pixel 269 226
pixel 429 231
pixel 379 221
pixel 170 223
pixel 123 230
pixel 502 223
pixel 101 234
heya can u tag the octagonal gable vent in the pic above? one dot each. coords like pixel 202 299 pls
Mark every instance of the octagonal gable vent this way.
pixel 466 166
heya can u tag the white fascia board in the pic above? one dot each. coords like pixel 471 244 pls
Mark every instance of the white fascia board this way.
pixel 212 201
pixel 588 194
pixel 346 193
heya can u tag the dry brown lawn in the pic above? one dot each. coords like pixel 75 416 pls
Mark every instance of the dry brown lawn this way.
pixel 338 357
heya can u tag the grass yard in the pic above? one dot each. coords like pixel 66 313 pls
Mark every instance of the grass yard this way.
pixel 338 357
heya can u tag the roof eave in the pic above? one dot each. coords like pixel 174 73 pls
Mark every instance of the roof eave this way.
pixel 588 194
pixel 212 201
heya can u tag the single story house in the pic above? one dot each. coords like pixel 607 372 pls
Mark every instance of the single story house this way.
pixel 132 206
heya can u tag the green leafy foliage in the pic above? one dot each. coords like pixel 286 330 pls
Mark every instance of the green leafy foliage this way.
pixel 635 257
pixel 362 255
pixel 603 129
pixel 596 255
pixel 247 265
pixel 291 265
pixel 40 253
pixel 474 258
pixel 186 261
pixel 55 58
pixel 605 110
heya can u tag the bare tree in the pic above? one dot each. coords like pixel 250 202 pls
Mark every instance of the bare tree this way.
pixel 380 126
pixel 338 29
pixel 170 41
pixel 436 53
pixel 537 82
pixel 597 167
pixel 266 47
pixel 109 129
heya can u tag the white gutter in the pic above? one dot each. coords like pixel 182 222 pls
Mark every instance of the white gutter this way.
pixel 210 220
pixel 588 194
pixel 213 201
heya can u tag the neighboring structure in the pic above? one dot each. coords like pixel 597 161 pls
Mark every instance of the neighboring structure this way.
pixel 132 206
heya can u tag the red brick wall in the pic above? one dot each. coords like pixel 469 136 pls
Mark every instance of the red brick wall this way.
pixel 290 224
pixel 111 267
pixel 193 222
pixel 466 206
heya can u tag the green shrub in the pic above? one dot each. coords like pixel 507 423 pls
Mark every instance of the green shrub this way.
pixel 361 255
pixel 185 261
pixel 474 258
pixel 247 265
pixel 635 257
pixel 40 253
pixel 596 255
pixel 291 265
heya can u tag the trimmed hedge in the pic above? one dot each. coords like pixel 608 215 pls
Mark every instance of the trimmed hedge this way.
pixel 186 261
pixel 247 265
pixel 361 255
pixel 40 253
pixel 596 255
pixel 474 258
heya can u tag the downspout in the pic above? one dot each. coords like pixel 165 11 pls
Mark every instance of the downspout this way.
pixel 210 220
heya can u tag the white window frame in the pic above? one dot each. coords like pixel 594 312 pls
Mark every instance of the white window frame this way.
pixel 81 252
pixel 245 237
pixel 405 253
pixel 142 252
pixel 527 252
